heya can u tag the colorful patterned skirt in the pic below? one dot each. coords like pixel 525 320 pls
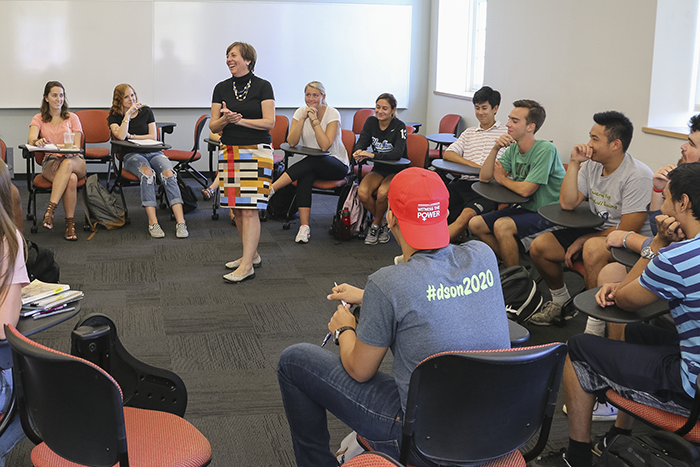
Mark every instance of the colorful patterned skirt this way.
pixel 245 176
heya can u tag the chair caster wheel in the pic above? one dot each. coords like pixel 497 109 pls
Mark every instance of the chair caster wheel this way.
pixel 286 226
pixel 86 228
pixel 34 229
pixel 215 217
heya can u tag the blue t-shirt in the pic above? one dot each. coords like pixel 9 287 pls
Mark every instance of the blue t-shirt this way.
pixel 438 301
pixel 674 275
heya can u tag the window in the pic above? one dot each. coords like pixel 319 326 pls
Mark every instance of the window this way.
pixel 461 42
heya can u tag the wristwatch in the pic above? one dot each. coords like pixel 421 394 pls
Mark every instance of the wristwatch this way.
pixel 339 331
pixel 648 253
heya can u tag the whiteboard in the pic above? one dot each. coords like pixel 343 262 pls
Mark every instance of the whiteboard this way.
pixel 173 53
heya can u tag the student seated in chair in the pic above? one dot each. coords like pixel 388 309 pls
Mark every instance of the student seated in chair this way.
pixel 443 298
pixel 617 189
pixel 653 366
pixel 472 148
pixel 13 276
pixel 537 173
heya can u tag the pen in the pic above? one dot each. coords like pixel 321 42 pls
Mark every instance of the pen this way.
pixel 328 336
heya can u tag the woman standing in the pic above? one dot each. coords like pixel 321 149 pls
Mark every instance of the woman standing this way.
pixel 387 136
pixel 62 170
pixel 243 109
pixel 317 125
pixel 130 119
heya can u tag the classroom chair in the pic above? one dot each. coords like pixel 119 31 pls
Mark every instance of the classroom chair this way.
pixel 36 183
pixel 358 120
pixel 417 150
pixel 184 159
pixel 455 417
pixel 687 427
pixel 143 386
pixel 372 459
pixel 448 124
pixel 96 131
pixel 279 135
pixel 76 408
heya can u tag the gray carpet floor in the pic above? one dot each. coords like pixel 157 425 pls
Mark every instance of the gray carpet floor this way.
pixel 174 310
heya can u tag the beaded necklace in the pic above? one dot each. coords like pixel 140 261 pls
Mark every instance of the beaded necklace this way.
pixel 240 96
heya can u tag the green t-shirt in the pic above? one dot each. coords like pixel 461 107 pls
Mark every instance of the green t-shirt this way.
pixel 541 165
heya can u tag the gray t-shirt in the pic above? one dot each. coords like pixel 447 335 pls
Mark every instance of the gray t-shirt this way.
pixel 439 300
pixel 625 191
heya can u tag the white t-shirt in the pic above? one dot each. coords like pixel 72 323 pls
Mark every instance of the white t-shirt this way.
pixel 308 137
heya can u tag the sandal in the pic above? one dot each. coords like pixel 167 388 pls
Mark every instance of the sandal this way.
pixel 207 194
pixel 70 230
pixel 48 216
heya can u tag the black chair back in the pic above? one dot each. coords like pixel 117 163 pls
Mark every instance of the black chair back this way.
pixel 75 407
pixel 472 407
pixel 143 386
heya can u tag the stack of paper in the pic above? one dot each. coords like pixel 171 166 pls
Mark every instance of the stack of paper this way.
pixel 41 299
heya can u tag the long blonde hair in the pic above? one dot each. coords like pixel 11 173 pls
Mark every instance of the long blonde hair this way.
pixel 8 234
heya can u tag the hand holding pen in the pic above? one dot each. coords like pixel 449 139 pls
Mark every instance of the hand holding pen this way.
pixel 330 334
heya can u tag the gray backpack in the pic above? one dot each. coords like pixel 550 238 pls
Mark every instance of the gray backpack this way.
pixel 101 207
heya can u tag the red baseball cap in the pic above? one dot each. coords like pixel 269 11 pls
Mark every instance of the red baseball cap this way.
pixel 419 200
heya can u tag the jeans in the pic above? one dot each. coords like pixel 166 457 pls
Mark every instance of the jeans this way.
pixel 13 433
pixel 313 380
pixel 158 163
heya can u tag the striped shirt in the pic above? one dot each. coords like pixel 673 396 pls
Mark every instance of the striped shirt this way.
pixel 475 143
pixel 674 275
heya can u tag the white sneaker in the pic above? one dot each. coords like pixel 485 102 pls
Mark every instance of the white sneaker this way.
pixel 601 412
pixel 303 234
pixel 399 259
pixel 181 230
pixel 349 448
pixel 156 231
pixel 546 314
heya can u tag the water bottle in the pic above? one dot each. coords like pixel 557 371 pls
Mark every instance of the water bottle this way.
pixel 346 225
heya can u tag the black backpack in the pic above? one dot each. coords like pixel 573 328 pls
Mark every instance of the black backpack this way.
pixel 520 294
pixel 283 204
pixel 189 199
pixel 658 449
pixel 41 265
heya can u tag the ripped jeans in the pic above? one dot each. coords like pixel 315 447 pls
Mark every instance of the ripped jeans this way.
pixel 157 163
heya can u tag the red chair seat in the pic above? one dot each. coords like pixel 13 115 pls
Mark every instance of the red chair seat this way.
pixel 327 184
pixel 96 153
pixel 178 442
pixel 365 169
pixel 434 153
pixel 514 459
pixel 178 155
pixel 129 176
pixel 579 268
pixel 41 182
pixel 660 418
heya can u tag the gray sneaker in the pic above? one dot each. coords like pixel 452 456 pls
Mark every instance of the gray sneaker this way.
pixel 545 316
pixel 384 235
pixel 181 231
pixel 156 231
pixel 372 237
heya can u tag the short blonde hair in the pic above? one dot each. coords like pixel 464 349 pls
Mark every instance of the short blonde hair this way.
pixel 319 87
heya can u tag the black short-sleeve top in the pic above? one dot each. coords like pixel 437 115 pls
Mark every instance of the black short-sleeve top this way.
pixel 138 125
pixel 250 107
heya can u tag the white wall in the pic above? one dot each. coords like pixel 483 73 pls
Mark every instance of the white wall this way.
pixel 14 123
pixel 575 58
